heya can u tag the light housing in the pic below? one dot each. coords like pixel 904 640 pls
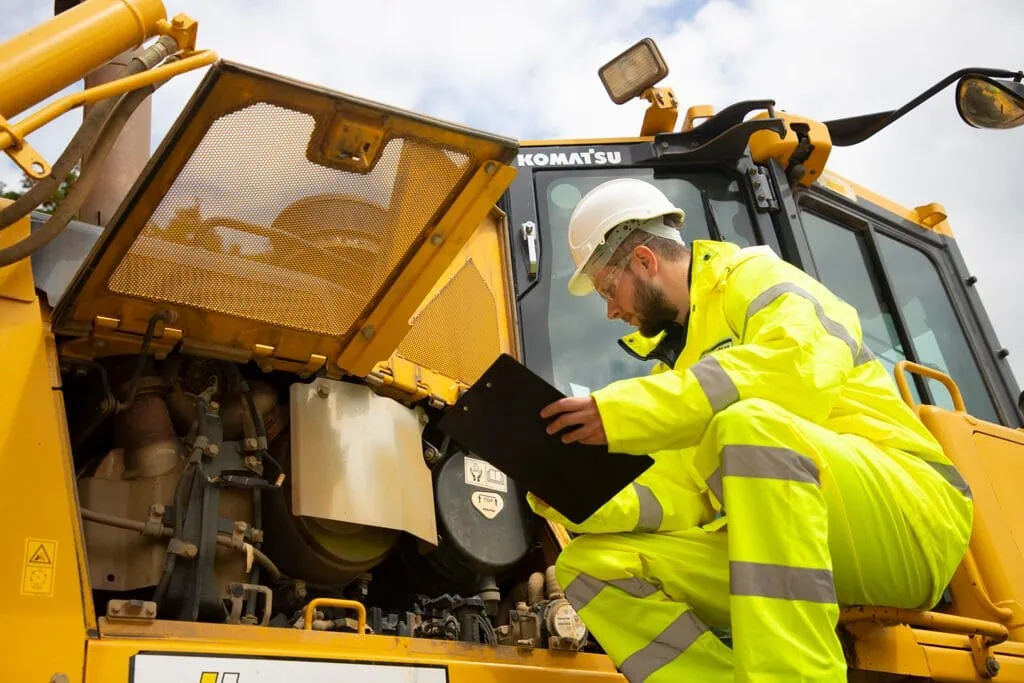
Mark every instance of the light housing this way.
pixel 633 71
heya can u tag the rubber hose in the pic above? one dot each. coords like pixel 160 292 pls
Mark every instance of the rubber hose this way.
pixel 85 137
pixel 67 209
pixel 535 589
pixel 551 583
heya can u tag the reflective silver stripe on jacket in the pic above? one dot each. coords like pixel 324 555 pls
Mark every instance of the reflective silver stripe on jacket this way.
pixel 950 474
pixel 651 512
pixel 861 354
pixel 716 384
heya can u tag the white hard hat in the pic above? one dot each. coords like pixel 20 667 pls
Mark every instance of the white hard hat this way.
pixel 602 209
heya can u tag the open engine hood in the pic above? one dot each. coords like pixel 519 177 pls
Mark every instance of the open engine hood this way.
pixel 285 223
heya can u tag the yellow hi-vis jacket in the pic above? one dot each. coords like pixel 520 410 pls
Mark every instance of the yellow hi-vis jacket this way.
pixel 758 327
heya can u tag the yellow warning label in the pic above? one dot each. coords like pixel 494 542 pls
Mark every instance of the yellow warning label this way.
pixel 40 560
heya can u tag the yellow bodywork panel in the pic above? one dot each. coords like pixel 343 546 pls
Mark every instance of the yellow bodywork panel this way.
pixel 989 456
pixel 46 613
pixel 766 144
pixel 110 657
pixel 288 223
pixel 464 324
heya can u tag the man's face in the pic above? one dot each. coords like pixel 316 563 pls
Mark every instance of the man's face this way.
pixel 635 297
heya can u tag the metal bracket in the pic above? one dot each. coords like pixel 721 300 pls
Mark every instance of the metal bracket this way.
pixel 529 234
pixel 985 662
pixel 761 187
pixel 24 155
pixel 131 610
pixel 724 136
pixel 238 592
pixel 266 359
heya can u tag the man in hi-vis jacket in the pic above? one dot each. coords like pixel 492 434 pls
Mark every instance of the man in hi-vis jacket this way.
pixel 790 477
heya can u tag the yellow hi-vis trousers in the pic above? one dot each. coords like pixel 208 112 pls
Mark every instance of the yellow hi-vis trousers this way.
pixel 814 520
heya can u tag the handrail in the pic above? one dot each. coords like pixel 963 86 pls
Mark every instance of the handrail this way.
pixel 935 621
pixel 931 373
pixel 307 614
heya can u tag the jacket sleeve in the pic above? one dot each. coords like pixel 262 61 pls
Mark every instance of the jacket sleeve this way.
pixel 665 498
pixel 797 344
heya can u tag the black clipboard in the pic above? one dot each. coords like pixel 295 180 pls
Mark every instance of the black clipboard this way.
pixel 498 419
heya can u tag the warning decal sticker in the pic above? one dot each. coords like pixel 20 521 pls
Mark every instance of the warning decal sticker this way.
pixel 488 504
pixel 483 474
pixel 37 574
pixel 174 668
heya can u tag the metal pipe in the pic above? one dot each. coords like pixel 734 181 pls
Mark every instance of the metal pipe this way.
pixel 948 623
pixel 96 120
pixel 167 532
pixel 307 614
pixel 41 117
pixel 64 49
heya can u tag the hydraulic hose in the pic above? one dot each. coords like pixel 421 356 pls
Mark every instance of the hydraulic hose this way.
pixel 96 137
pixel 85 137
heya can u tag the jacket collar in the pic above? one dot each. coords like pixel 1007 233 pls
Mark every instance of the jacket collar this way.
pixel 707 265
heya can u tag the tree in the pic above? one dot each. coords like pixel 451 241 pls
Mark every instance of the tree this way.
pixel 51 203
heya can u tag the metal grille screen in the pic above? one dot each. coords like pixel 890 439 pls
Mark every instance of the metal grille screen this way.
pixel 251 228
pixel 456 334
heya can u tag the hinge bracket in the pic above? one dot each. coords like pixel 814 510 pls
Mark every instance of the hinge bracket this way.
pixel 761 188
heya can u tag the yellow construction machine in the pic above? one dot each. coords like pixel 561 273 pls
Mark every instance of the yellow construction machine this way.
pixel 223 366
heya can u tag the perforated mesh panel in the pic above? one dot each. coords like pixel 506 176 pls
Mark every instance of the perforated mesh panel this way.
pixel 252 229
pixel 456 334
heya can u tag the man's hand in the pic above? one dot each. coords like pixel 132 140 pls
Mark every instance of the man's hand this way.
pixel 581 411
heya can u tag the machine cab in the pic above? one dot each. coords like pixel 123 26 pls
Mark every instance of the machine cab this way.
pixel 905 277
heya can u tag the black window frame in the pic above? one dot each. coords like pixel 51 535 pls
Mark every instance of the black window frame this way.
pixel 523 204
pixel 944 255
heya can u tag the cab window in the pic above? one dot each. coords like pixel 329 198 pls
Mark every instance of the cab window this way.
pixel 584 350
pixel 842 259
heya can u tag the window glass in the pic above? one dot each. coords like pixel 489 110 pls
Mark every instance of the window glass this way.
pixel 841 257
pixel 584 352
pixel 938 337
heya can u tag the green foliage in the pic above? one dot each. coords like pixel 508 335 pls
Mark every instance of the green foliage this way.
pixel 51 203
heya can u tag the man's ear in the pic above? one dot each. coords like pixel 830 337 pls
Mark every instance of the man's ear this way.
pixel 647 259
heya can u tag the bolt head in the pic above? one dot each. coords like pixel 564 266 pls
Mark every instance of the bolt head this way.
pixel 324 390
pixel 992 666
pixel 368 332
pixel 437 240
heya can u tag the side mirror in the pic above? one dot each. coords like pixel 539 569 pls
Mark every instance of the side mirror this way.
pixel 984 102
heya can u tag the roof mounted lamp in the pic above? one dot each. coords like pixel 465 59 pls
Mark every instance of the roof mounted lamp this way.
pixel 633 74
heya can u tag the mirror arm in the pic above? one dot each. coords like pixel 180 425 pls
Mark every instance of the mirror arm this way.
pixel 856 129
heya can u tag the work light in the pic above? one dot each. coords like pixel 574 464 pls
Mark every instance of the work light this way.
pixel 633 71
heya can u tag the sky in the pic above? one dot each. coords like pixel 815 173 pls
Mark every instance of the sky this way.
pixel 529 70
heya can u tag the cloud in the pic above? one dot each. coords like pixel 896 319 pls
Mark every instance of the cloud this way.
pixel 531 72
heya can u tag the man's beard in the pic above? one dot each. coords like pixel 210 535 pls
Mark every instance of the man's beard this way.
pixel 653 310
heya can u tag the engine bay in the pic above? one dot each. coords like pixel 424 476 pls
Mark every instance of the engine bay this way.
pixel 212 491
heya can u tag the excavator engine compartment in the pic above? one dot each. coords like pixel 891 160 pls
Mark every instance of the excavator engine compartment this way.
pixel 252 379
pixel 199 479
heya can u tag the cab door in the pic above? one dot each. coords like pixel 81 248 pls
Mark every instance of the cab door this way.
pixel 907 284
pixel 569 340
